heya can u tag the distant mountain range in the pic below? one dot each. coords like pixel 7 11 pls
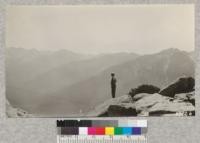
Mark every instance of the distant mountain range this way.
pixel 64 83
pixel 24 65
pixel 32 75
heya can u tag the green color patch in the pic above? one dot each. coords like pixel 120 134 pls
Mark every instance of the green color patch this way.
pixel 118 131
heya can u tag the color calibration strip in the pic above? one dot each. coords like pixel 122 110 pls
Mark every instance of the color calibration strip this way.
pixel 96 131
pixel 102 130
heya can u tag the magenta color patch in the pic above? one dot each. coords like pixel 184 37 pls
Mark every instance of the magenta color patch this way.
pixel 91 131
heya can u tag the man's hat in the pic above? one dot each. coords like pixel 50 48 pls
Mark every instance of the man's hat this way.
pixel 112 74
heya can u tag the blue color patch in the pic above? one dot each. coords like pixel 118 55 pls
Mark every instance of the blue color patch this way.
pixel 127 131
pixel 136 131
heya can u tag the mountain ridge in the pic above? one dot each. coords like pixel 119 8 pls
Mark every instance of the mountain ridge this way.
pixel 127 75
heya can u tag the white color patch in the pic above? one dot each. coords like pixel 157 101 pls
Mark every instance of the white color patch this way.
pixel 83 130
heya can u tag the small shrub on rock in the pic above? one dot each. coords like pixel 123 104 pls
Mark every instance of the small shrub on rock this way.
pixel 182 85
pixel 145 88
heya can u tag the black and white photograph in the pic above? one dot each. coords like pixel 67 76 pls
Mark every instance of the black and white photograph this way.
pixel 100 60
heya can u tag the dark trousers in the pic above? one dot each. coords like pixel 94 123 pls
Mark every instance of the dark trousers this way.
pixel 113 91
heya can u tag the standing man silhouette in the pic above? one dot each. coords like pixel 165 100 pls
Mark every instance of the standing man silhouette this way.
pixel 113 85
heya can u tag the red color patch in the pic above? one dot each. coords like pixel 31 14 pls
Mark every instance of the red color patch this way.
pixel 100 131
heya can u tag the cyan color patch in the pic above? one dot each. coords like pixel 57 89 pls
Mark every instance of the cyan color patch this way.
pixel 127 130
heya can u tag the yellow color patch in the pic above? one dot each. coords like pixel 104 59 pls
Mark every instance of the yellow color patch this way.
pixel 109 131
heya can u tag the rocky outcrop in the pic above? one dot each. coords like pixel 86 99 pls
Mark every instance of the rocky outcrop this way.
pixel 187 97
pixel 102 109
pixel 147 105
pixel 167 106
pixel 182 85
pixel 120 111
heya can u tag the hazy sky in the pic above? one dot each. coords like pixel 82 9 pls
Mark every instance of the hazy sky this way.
pixel 100 29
